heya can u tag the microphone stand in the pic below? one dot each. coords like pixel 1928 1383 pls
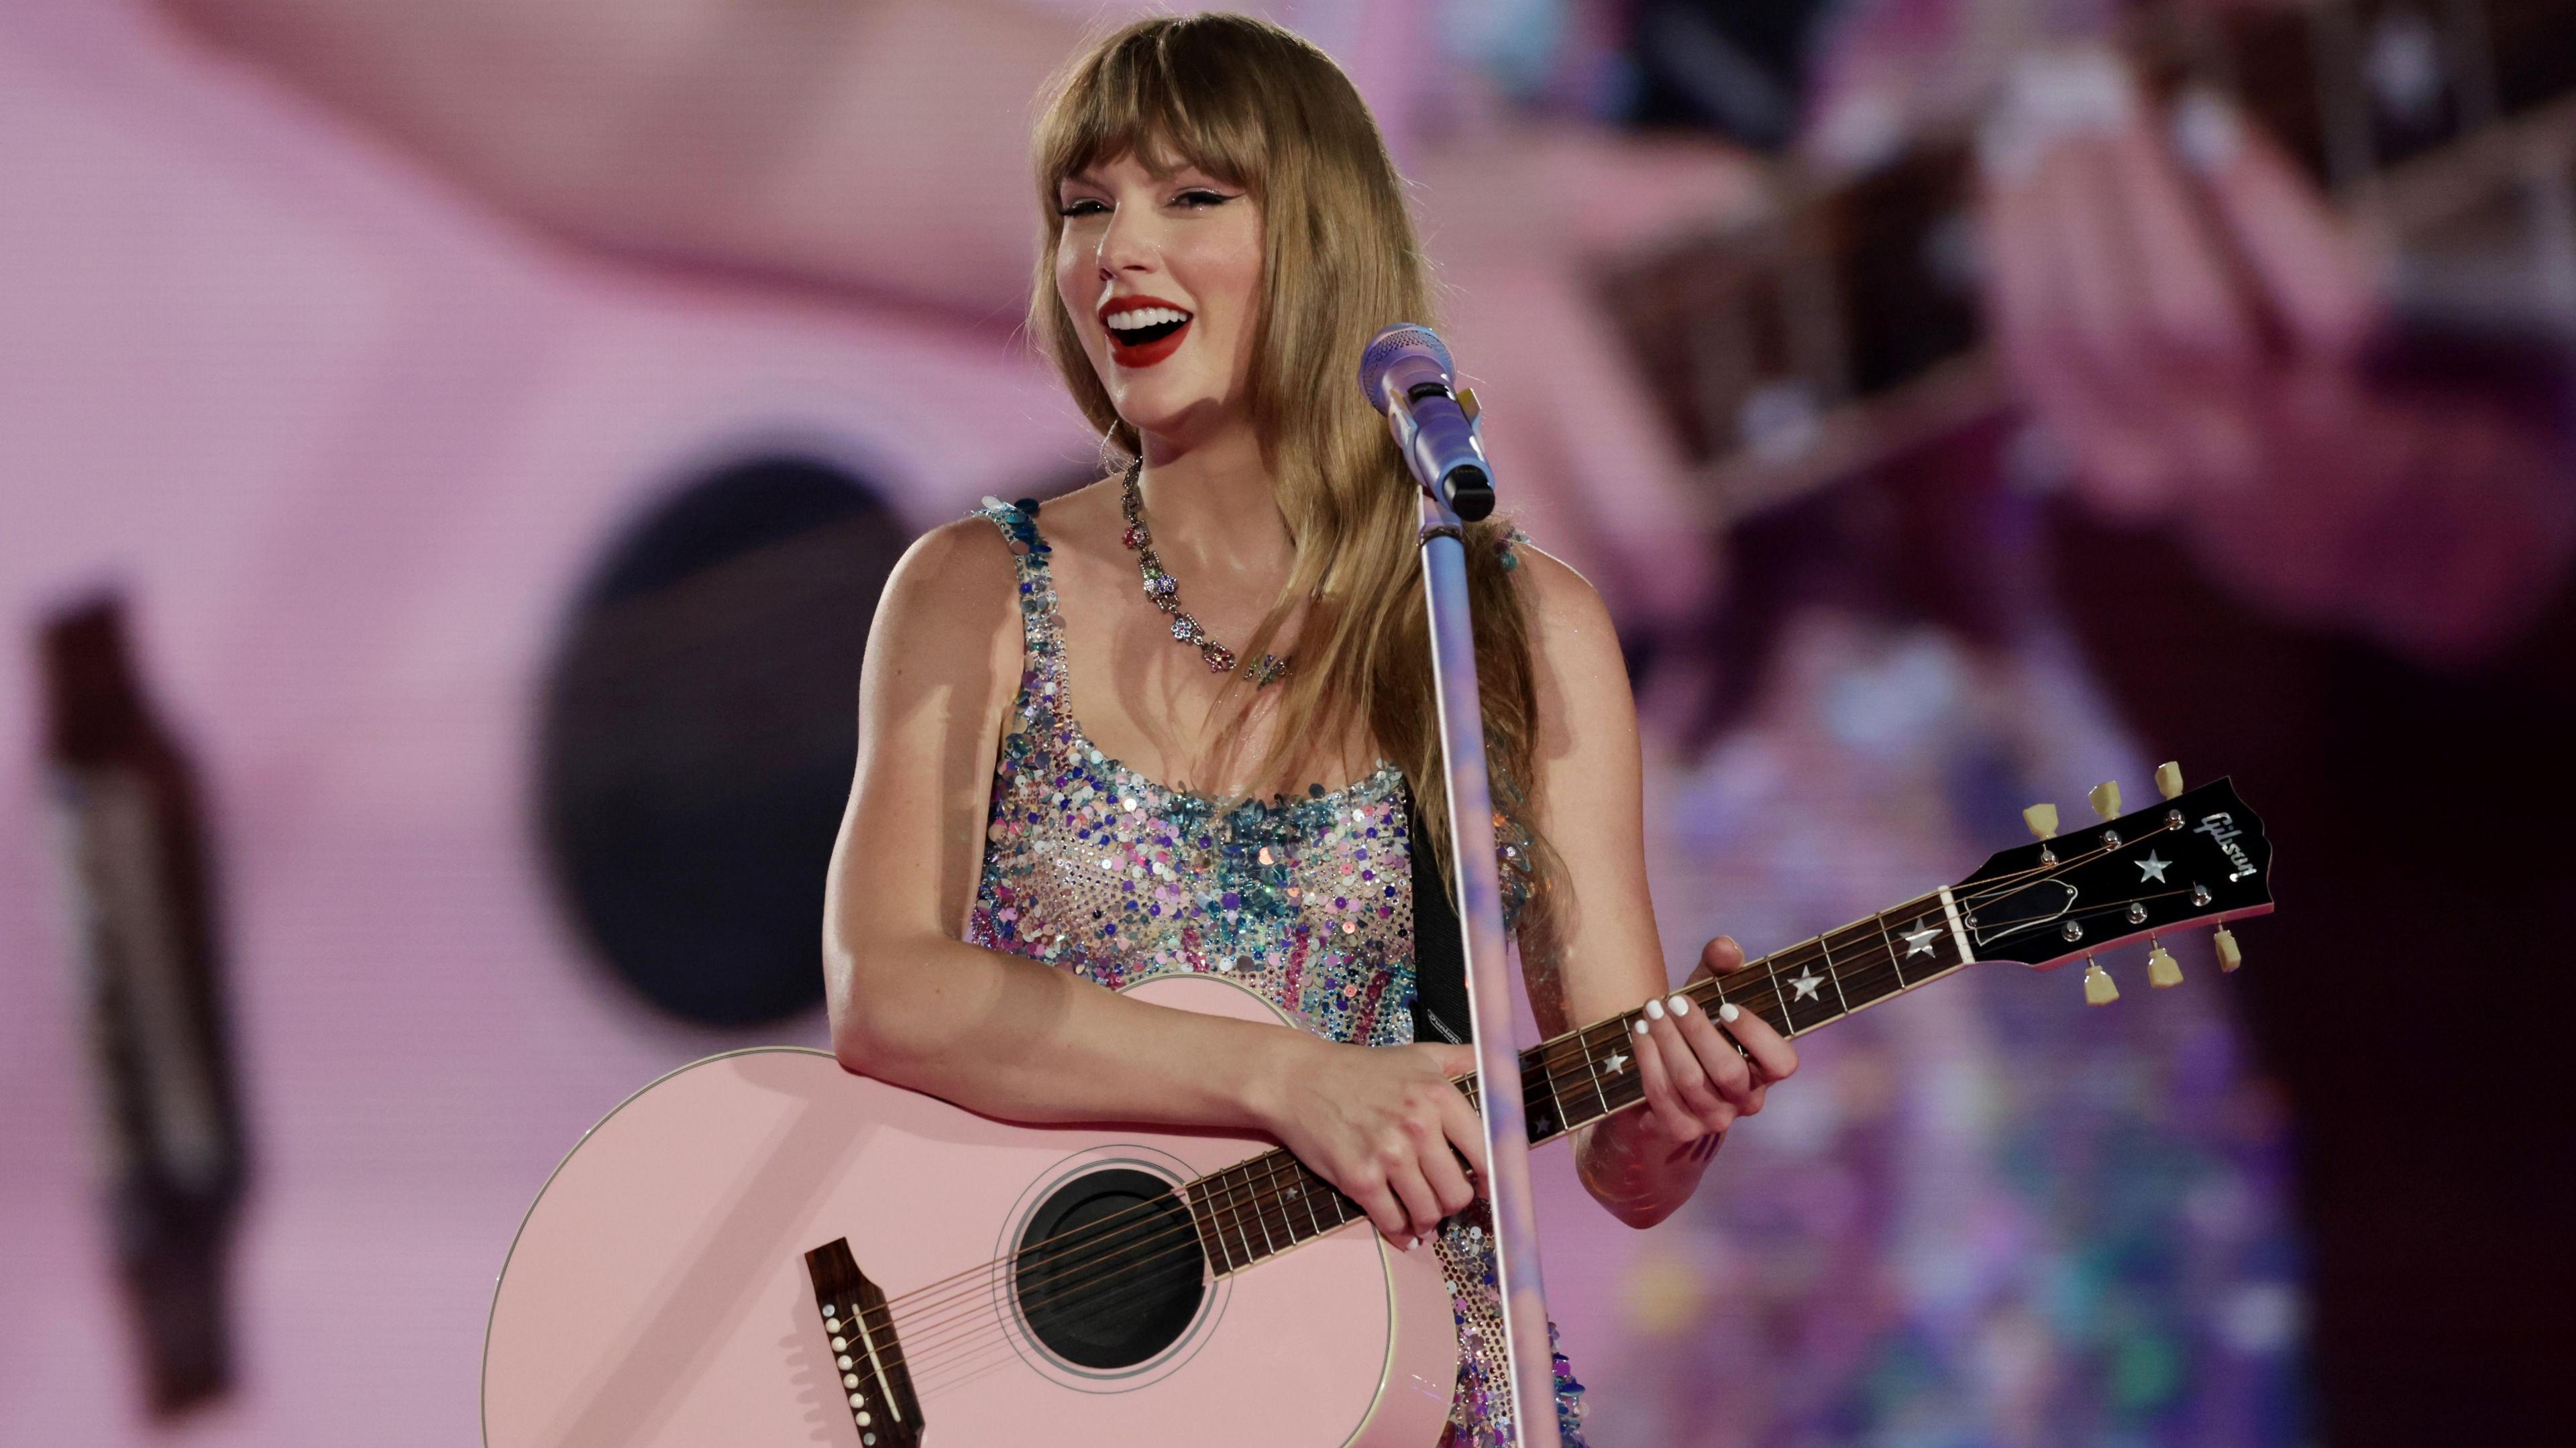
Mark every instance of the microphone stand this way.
pixel 1531 1358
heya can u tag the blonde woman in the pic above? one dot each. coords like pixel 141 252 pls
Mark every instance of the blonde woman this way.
pixel 1181 722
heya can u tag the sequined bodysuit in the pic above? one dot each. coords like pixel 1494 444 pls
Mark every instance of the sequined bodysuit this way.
pixel 1307 901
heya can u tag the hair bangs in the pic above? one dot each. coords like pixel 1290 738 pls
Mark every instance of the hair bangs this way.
pixel 1169 98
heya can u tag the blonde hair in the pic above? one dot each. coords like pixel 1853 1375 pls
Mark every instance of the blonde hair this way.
pixel 1258 107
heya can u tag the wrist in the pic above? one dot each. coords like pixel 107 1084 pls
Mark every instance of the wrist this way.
pixel 1276 1059
pixel 1639 1172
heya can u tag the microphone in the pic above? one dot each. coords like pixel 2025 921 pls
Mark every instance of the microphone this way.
pixel 1406 374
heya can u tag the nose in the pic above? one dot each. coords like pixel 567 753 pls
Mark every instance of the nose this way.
pixel 1129 242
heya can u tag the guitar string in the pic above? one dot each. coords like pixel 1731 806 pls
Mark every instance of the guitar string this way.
pixel 1107 1254
pixel 951 1357
pixel 1582 1034
pixel 1113 1257
pixel 1554 1079
pixel 951 1360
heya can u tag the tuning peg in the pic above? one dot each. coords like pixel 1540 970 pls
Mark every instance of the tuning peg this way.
pixel 2169 779
pixel 2106 798
pixel 2099 988
pixel 2042 819
pixel 2229 957
pixel 2161 970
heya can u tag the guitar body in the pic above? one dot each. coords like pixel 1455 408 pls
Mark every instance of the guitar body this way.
pixel 659 1291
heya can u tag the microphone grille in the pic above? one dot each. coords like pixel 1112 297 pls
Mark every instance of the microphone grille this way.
pixel 1396 341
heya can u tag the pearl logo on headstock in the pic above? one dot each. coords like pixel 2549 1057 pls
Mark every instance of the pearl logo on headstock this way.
pixel 2222 832
pixel 2151 868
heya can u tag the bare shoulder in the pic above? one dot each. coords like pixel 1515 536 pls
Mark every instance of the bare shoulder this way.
pixel 1574 634
pixel 953 596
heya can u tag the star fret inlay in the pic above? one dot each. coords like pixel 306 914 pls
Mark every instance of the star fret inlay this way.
pixel 1806 984
pixel 1918 941
pixel 1616 1063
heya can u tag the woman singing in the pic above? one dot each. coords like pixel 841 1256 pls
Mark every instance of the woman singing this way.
pixel 1182 722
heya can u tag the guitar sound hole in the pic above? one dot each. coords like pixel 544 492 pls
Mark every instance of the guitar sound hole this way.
pixel 1109 1271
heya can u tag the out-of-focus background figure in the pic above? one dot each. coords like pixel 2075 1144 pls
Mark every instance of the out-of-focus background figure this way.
pixel 476 434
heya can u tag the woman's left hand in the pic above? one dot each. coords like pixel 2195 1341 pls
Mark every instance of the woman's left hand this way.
pixel 1697 1082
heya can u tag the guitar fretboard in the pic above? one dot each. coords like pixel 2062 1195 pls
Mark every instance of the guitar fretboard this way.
pixel 1842 326
pixel 1256 1209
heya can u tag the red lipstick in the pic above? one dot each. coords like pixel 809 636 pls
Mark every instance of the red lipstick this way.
pixel 1158 343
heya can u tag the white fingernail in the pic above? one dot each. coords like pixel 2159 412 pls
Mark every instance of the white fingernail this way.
pixel 1641 1028
pixel 2048 98
pixel 1655 1009
pixel 1681 1004
pixel 1728 1013
pixel 2207 132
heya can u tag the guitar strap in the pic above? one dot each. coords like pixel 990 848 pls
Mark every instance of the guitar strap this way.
pixel 1439 959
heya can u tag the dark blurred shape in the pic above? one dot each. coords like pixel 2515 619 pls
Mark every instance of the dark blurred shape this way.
pixel 2415 1015
pixel 700 729
pixel 1734 68
pixel 135 854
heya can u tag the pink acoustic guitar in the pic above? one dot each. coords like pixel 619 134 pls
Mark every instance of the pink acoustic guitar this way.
pixel 762 1248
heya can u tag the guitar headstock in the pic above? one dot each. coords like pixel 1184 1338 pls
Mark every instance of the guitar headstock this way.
pixel 2194 858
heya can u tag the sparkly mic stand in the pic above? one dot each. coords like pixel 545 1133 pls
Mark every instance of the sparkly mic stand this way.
pixel 1407 374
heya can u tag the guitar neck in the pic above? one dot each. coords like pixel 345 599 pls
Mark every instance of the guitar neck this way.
pixel 1843 327
pixel 1255 1209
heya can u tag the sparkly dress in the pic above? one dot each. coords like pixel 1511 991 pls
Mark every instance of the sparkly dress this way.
pixel 1308 901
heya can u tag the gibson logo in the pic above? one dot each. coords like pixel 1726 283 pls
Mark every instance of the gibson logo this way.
pixel 2222 832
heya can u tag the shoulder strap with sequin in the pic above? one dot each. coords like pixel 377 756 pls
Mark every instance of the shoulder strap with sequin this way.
pixel 1042 631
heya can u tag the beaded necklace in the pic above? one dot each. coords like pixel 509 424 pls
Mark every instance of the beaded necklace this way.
pixel 1164 591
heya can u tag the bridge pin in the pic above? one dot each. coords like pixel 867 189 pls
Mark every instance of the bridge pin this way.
pixel 855 1400
pixel 849 1380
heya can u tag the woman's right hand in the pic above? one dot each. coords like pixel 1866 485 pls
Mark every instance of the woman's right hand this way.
pixel 1384 1124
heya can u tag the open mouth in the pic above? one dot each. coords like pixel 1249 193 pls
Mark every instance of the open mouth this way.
pixel 1143 330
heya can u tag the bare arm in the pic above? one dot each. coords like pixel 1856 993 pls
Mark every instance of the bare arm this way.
pixel 1642 1164
pixel 913 1003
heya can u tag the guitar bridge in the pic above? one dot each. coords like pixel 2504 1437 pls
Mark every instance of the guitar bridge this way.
pixel 866 1358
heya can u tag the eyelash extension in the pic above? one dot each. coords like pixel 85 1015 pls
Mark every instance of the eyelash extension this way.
pixel 1215 198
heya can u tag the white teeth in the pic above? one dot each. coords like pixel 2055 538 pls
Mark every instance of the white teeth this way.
pixel 1141 317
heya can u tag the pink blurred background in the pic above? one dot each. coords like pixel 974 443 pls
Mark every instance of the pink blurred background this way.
pixel 347 340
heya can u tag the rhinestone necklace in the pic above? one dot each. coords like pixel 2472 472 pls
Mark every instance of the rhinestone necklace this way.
pixel 1164 592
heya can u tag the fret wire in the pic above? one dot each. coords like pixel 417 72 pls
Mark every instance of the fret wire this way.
pixel 1824 947
pixel 1306 1184
pixel 1548 1076
pixel 1866 969
pixel 1234 1181
pixel 1277 1201
pixel 1210 1242
pixel 1252 1172
pixel 1894 960
pixel 1591 1056
pixel 1265 1196
pixel 1211 1187
pixel 1771 969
